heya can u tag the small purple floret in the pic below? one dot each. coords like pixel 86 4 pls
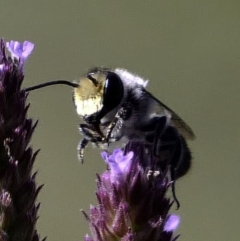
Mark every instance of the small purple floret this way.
pixel 2 67
pixel 172 223
pixel 20 50
pixel 118 164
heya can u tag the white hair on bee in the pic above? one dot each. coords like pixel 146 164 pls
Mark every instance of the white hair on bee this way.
pixel 130 79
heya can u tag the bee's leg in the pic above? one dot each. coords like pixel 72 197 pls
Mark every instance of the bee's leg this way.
pixel 122 115
pixel 93 123
pixel 111 127
pixel 90 133
pixel 169 151
pixel 165 146
pixel 180 164
pixel 173 179
pixel 81 148
pixel 177 154
pixel 172 152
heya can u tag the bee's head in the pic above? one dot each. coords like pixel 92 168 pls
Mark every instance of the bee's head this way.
pixel 99 89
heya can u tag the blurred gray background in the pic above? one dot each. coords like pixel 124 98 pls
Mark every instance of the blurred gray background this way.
pixel 190 52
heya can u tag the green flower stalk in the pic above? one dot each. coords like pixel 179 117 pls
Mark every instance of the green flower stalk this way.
pixel 18 190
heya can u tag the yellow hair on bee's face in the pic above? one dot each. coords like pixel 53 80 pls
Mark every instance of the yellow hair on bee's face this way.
pixel 88 97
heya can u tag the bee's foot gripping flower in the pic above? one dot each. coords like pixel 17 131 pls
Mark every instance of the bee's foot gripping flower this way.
pixel 18 191
pixel 132 205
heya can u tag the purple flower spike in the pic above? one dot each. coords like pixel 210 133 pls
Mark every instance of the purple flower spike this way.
pixel 18 189
pixel 172 223
pixel 20 50
pixel 132 203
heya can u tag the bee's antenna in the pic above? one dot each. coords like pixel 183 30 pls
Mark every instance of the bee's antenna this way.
pixel 54 82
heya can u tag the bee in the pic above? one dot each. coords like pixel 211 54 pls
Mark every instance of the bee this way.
pixel 115 106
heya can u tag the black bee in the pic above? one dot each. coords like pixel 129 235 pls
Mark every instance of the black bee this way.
pixel 115 105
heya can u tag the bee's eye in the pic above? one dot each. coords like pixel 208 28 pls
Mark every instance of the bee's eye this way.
pixel 113 92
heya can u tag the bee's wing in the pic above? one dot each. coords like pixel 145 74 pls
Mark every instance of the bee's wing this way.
pixel 184 129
